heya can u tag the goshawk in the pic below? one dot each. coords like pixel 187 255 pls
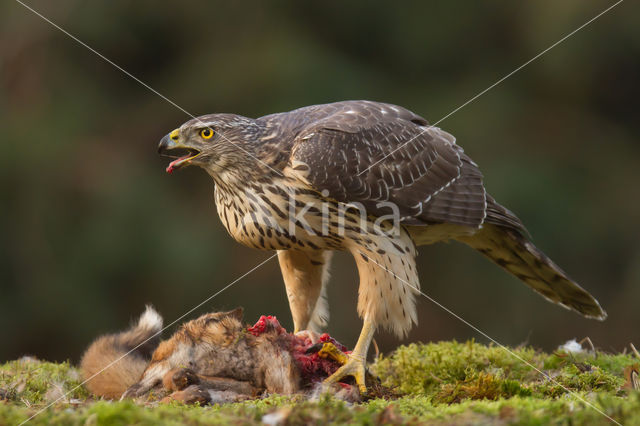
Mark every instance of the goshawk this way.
pixel 370 178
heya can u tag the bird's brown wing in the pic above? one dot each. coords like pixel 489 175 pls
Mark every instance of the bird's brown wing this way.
pixel 359 153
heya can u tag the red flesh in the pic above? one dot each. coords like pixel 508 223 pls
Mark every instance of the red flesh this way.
pixel 312 367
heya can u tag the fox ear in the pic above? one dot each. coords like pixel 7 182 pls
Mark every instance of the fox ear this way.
pixel 236 313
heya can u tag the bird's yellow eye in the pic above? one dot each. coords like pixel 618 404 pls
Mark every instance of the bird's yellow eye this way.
pixel 206 133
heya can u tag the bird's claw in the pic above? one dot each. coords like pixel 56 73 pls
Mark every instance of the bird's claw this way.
pixel 353 366
pixel 330 351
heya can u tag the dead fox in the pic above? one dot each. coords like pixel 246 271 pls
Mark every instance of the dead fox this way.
pixel 211 358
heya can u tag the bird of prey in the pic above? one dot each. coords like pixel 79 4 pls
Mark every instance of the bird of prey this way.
pixel 370 178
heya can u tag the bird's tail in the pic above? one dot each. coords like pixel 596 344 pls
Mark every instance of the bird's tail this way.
pixel 108 367
pixel 517 255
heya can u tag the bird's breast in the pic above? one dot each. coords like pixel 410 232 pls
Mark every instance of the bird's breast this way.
pixel 280 215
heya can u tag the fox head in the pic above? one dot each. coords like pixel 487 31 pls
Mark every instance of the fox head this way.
pixel 219 328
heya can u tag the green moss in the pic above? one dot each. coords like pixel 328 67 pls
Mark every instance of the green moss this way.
pixel 480 386
pixel 33 382
pixel 608 362
pixel 474 369
pixel 442 383
pixel 424 368
pixel 582 378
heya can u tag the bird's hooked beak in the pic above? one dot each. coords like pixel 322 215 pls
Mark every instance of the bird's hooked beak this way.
pixel 172 146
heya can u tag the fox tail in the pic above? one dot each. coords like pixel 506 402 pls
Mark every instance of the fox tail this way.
pixel 114 362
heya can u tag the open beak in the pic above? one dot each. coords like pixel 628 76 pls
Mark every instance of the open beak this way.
pixel 170 146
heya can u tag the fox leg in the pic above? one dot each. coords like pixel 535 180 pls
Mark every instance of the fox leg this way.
pixel 181 378
pixel 188 387
pixel 305 275
pixel 194 394
pixel 151 378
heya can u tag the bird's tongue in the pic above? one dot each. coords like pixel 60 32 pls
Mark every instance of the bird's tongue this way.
pixel 176 164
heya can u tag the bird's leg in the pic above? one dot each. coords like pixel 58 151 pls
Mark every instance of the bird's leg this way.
pixel 304 276
pixel 355 366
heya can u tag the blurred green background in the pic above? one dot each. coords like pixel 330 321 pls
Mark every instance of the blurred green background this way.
pixel 92 228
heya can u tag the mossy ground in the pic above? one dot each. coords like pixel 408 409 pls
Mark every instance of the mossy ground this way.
pixel 441 383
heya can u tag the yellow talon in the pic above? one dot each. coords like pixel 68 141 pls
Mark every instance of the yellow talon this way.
pixel 353 367
pixel 354 364
pixel 330 351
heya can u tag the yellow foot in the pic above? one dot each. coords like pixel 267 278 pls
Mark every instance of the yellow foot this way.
pixel 354 367
pixel 330 351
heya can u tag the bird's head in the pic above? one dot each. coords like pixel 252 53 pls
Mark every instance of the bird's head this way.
pixel 215 142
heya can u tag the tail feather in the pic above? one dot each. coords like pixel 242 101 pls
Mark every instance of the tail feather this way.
pixel 107 365
pixel 517 255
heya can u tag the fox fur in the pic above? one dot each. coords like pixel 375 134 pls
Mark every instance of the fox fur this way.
pixel 210 358
pixel 115 362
